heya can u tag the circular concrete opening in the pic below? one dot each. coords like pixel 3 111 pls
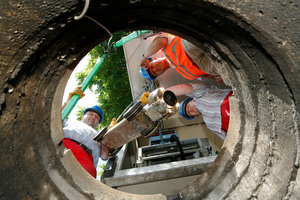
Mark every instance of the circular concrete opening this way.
pixel 260 155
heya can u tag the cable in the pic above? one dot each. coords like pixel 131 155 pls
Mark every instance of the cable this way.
pixel 86 7
pixel 175 138
pixel 99 24
pixel 150 82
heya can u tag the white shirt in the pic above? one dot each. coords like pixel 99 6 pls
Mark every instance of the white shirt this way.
pixel 84 134
pixel 209 99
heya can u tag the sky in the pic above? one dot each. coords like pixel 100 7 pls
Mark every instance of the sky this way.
pixel 89 100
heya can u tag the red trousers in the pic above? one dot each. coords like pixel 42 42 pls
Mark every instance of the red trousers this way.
pixel 82 156
pixel 225 112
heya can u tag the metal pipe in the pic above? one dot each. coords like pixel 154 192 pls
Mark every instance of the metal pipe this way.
pixel 129 38
pixel 169 154
pixel 169 145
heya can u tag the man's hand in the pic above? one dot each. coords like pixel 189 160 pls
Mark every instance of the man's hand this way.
pixel 104 153
pixel 144 63
pixel 112 123
pixel 156 44
pixel 144 97
pixel 78 91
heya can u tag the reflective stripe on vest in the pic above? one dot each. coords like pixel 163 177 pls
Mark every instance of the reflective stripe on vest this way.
pixel 183 64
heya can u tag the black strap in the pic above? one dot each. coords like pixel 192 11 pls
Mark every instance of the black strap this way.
pixel 89 151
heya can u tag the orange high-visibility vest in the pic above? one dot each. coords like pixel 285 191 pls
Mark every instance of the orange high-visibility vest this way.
pixel 182 62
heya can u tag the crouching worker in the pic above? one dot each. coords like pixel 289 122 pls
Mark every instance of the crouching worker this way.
pixel 187 59
pixel 206 100
pixel 79 137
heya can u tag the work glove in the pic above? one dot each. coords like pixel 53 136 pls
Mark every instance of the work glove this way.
pixel 78 91
pixel 112 123
pixel 144 97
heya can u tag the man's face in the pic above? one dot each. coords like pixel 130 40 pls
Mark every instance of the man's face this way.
pixel 157 67
pixel 191 109
pixel 91 118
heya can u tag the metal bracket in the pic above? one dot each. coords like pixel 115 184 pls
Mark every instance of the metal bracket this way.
pixel 173 197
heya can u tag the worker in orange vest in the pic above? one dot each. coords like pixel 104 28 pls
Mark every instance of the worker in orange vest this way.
pixel 188 60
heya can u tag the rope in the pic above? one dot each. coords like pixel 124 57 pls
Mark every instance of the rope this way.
pixel 86 7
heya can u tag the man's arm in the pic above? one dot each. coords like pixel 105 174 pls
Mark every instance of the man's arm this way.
pixel 217 77
pixel 182 89
pixel 155 46
pixel 104 153
pixel 78 91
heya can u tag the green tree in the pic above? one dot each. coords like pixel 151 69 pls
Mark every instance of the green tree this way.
pixel 111 81
pixel 100 172
pixel 79 113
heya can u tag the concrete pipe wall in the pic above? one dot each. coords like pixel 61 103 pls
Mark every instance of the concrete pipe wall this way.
pixel 254 43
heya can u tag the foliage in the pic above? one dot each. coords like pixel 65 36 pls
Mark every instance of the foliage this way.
pixel 79 113
pixel 111 81
pixel 101 170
